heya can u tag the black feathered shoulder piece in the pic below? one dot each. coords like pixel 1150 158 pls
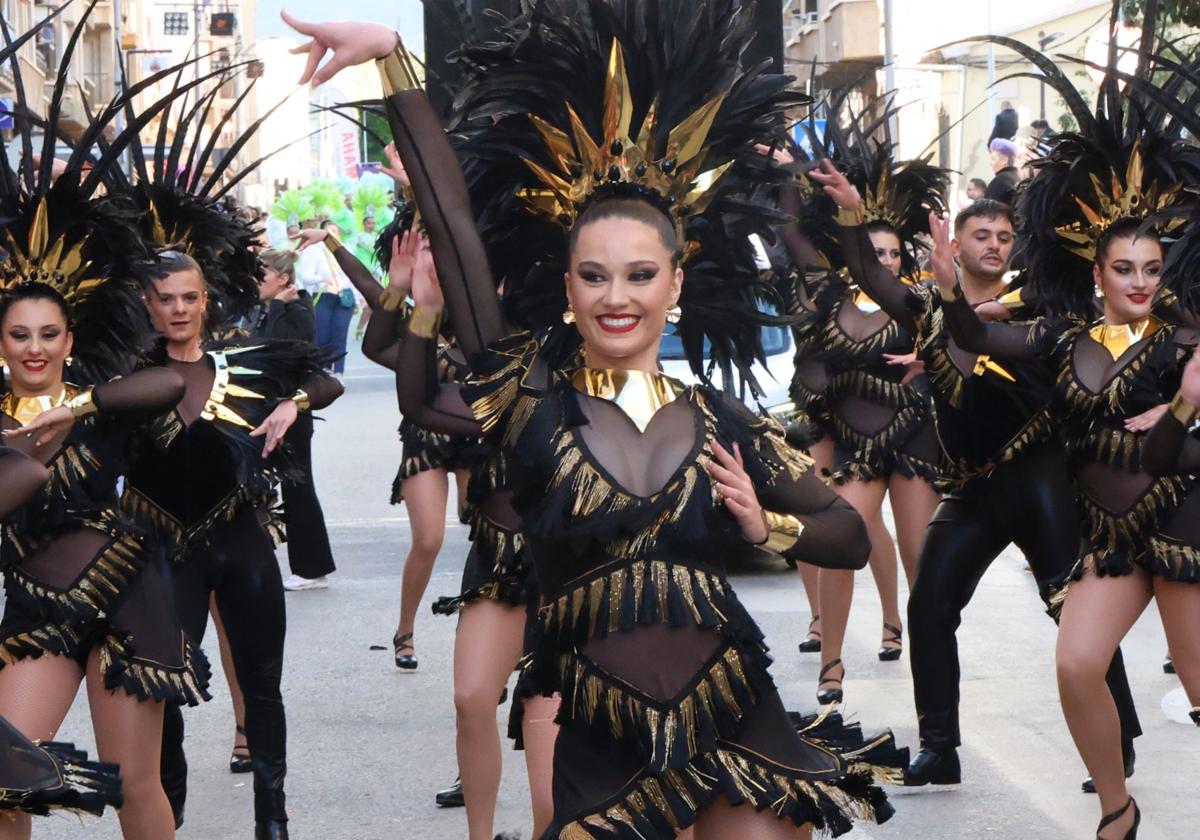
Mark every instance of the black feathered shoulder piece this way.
pixel 1132 157
pixel 577 102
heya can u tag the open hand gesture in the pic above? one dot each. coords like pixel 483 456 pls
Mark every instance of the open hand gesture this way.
pixel 276 425
pixel 836 185
pixel 426 290
pixel 46 426
pixel 352 42
pixel 941 258
pixel 733 485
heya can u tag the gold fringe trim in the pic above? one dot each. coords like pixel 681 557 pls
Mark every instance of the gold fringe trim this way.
pixel 1038 429
pixel 835 340
pixel 1175 560
pixel 692 584
pixel 1080 399
pixel 148 679
pixel 97 585
pixel 589 692
pixel 181 539
pixel 1127 529
pixel 864 385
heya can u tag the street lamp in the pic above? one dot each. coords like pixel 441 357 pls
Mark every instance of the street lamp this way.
pixel 1044 41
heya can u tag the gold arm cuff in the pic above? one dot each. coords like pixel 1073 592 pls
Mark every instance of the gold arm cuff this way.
pixel 851 216
pixel 1184 411
pixel 397 70
pixel 81 404
pixel 332 243
pixel 300 398
pixel 424 323
pixel 784 530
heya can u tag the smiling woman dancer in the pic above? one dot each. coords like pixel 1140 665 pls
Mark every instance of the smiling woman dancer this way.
pixel 633 490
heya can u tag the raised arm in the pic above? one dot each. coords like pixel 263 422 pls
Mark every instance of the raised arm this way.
pixel 437 179
pixel 1170 449
pixel 890 292
pixel 424 400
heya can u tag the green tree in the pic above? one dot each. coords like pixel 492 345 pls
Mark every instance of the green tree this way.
pixel 1186 12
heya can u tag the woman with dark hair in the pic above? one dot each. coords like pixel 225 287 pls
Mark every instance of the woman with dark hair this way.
pixel 86 596
pixel 202 479
pixel 631 489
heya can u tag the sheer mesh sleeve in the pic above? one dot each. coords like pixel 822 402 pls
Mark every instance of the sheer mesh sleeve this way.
pixel 20 478
pixel 423 400
pixel 834 536
pixel 360 276
pixel 1027 340
pixel 1169 449
pixel 149 391
pixel 441 195
pixel 892 294
pixel 799 247
pixel 322 390
pixel 385 332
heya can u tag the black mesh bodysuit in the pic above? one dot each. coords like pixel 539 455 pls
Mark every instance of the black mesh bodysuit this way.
pixel 1130 516
pixel 879 425
pixel 667 702
pixel 78 575
pixel 1008 482
pixel 199 481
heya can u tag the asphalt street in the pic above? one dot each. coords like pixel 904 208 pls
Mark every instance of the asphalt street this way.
pixel 369 746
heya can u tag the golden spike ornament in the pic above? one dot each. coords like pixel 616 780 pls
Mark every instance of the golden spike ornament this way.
pixel 583 164
pixel 38 259
pixel 1130 198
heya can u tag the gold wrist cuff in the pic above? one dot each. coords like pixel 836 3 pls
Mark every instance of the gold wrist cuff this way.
pixel 851 216
pixel 81 404
pixel 1184 411
pixel 397 70
pixel 783 530
pixel 424 323
pixel 332 243
pixel 300 398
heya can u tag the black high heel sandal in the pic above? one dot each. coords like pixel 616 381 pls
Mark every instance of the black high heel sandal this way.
pixel 812 645
pixel 1168 665
pixel 404 661
pixel 1116 815
pixel 891 654
pixel 239 758
pixel 825 696
pixel 1194 714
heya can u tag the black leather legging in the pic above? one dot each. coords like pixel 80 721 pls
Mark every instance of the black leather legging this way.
pixel 239 567
pixel 1030 502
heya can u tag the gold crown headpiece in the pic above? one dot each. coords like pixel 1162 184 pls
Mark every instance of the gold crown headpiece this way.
pixel 879 202
pixel 38 260
pixel 1132 199
pixel 586 165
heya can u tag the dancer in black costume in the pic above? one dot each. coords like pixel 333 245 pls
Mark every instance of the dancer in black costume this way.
pixel 669 716
pixel 1008 473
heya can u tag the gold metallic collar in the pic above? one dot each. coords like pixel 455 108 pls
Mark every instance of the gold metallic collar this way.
pixel 1117 338
pixel 25 409
pixel 638 393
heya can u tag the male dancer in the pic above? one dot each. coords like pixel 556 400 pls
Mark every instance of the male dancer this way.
pixel 1007 475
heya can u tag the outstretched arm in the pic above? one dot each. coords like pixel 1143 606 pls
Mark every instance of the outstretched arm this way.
pixel 437 179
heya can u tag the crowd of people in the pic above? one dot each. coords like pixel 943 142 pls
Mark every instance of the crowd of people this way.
pixel 1022 373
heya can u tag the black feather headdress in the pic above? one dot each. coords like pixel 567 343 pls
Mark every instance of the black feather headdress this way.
pixel 579 101
pixel 1134 156
pixel 58 230
pixel 897 194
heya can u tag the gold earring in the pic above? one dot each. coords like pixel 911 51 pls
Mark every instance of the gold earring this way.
pixel 69 360
pixel 674 313
pixel 569 316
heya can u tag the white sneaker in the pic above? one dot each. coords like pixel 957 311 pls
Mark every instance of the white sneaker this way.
pixel 296 583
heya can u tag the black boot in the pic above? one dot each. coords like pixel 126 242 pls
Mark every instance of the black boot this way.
pixel 1130 756
pixel 934 767
pixel 271 830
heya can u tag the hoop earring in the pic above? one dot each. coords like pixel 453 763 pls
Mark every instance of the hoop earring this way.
pixel 568 317
pixel 674 313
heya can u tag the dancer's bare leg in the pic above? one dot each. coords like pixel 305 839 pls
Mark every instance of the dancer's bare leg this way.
pixel 487 647
pixel 235 690
pixel 129 733
pixel 913 503
pixel 822 454
pixel 539 731
pixel 1179 609
pixel 721 821
pixel 35 695
pixel 425 498
pixel 1097 614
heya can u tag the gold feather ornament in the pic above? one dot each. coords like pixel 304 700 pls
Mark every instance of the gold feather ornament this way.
pixel 37 259
pixel 585 165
